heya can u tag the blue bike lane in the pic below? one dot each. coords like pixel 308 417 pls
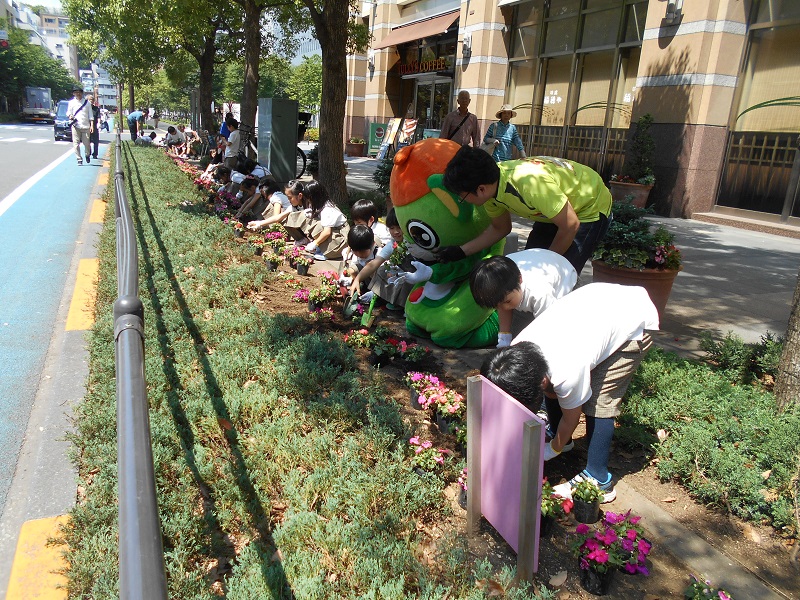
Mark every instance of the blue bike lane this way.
pixel 40 224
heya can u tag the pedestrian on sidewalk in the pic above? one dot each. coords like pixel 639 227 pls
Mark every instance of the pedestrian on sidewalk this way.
pixel 461 125
pixel 79 112
pixel 580 354
pixel 94 138
pixel 503 134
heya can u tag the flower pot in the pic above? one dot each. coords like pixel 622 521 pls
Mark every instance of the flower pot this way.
pixel 445 424
pixel 657 282
pixel 271 266
pixel 462 498
pixel 415 400
pixel 302 269
pixel 258 250
pixel 596 583
pixel 353 149
pixel 238 233
pixel 545 525
pixel 312 305
pixel 586 512
pixel 379 360
pixel 620 190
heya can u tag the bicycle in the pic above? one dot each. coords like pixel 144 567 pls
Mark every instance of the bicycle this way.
pixel 249 140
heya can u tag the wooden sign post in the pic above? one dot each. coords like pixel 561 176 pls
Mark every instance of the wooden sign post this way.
pixel 505 446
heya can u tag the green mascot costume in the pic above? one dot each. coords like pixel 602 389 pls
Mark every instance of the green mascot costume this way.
pixel 441 307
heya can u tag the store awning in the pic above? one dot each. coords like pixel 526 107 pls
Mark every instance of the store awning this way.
pixel 503 3
pixel 416 31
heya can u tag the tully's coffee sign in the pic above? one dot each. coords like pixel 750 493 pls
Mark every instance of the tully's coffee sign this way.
pixel 426 66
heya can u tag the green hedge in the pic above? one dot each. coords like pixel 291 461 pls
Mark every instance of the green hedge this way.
pixel 727 444
pixel 264 435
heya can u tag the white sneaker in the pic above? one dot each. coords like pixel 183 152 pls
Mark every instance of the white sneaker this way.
pixel 565 489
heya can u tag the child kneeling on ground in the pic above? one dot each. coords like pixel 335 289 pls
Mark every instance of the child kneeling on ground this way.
pixel 361 251
pixel 322 228
pixel 528 281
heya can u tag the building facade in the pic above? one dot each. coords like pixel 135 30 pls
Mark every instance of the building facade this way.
pixel 720 77
pixel 53 26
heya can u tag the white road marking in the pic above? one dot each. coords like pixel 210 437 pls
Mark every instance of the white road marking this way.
pixel 39 141
pixel 9 200
pixel 12 139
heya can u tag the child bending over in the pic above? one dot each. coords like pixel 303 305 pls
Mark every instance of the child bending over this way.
pixel 528 281
pixel 279 205
pixel 364 212
pixel 322 227
pixel 361 251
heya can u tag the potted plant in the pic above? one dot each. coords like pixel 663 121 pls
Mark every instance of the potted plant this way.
pixel 258 245
pixel 635 252
pixel 238 229
pixel 450 408
pixel 317 297
pixel 462 493
pixel 586 497
pixel 425 457
pixel 553 508
pixel 418 383
pixel 383 350
pixel 703 590
pixel 302 263
pixel 355 146
pixel 300 296
pixel 634 546
pixel 637 178
pixel 598 553
pixel 359 338
pixel 272 260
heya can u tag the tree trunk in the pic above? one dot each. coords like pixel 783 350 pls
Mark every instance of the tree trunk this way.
pixel 252 55
pixel 331 31
pixel 131 100
pixel 206 63
pixel 787 385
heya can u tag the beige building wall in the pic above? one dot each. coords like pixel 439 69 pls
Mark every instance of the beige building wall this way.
pixel 687 81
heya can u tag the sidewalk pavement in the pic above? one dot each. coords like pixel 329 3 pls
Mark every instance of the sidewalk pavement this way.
pixel 733 280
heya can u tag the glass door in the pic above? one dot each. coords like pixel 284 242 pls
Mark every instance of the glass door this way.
pixel 433 101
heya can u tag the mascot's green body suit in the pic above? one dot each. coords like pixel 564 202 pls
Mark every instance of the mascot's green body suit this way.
pixel 441 308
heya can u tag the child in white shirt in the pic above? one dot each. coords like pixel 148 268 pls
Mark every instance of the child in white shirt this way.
pixel 364 212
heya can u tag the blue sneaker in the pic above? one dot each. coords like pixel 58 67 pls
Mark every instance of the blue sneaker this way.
pixel 565 489
pixel 319 256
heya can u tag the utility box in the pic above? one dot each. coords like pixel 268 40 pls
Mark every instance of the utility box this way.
pixel 277 137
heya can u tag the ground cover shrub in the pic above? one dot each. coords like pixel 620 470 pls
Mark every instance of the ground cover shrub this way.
pixel 280 469
pixel 725 442
pixel 742 362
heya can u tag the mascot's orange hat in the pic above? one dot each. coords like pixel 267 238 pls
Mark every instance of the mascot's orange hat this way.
pixel 414 164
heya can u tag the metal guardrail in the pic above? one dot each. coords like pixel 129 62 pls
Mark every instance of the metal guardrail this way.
pixel 141 554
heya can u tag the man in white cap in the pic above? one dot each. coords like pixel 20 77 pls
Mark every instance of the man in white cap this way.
pixel 503 134
pixel 79 112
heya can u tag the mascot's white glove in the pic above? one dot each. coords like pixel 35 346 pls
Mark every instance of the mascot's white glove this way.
pixel 311 247
pixel 504 340
pixel 549 452
pixel 423 273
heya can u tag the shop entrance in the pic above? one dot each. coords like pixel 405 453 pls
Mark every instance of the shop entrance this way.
pixel 432 101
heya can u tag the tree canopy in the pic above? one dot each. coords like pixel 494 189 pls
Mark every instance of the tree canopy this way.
pixel 23 64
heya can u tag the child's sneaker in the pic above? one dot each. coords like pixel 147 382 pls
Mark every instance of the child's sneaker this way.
pixel 565 489
pixel 319 256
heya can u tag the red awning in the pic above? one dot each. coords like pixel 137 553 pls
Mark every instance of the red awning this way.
pixel 416 31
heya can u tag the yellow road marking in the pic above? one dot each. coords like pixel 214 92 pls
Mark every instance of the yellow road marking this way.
pixel 32 574
pixel 102 179
pixel 98 210
pixel 81 309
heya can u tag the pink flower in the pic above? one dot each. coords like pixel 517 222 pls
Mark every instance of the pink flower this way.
pixel 439 459
pixel 630 568
pixel 634 519
pixel 599 556
pixel 582 529
pixel 644 546
pixel 723 596
pixel 414 441
pixel 427 444
pixel 417 450
pixel 627 545
pixel 631 534
pixel 608 537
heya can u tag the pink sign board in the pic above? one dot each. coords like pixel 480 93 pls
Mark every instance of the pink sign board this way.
pixel 501 450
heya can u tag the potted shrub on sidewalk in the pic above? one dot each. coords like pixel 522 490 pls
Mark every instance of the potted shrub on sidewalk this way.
pixel 637 177
pixel 586 497
pixel 634 252
pixel 355 146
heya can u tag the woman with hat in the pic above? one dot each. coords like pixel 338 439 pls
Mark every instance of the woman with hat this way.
pixel 503 134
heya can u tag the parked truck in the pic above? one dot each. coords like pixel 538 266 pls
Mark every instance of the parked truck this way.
pixel 38 105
